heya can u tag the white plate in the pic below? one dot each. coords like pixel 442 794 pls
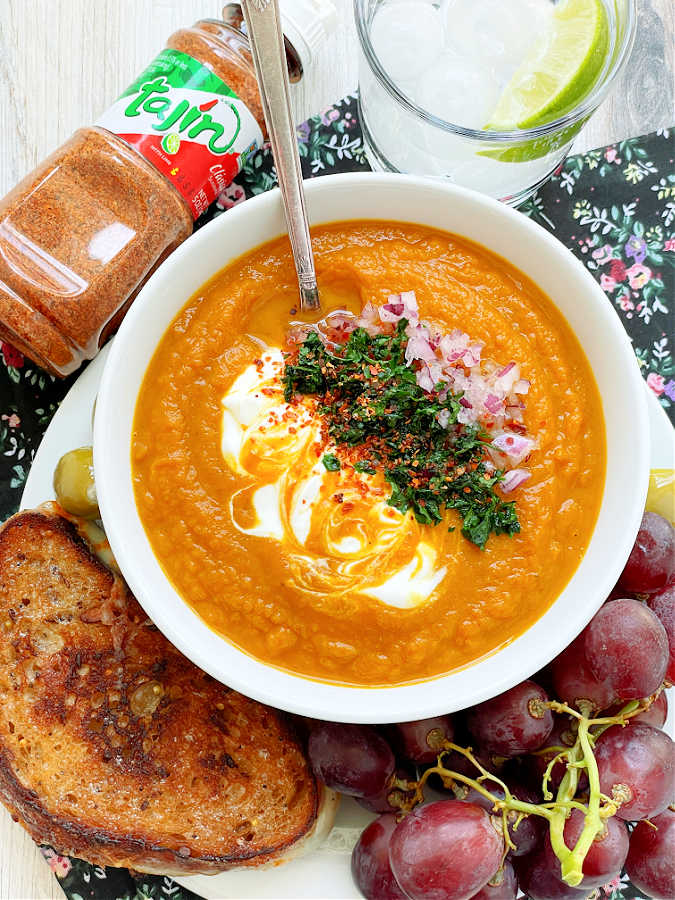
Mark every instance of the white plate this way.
pixel 324 873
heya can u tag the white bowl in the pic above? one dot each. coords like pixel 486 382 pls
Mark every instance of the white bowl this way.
pixel 377 196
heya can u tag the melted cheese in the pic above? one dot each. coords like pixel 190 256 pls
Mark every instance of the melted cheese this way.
pixel 336 528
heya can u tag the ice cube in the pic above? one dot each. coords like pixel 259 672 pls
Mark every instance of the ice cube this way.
pixel 392 130
pixel 497 32
pixel 407 36
pixel 458 89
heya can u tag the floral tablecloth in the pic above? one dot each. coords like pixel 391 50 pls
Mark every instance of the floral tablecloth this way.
pixel 614 207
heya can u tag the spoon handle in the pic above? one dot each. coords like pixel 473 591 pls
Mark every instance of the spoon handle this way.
pixel 269 58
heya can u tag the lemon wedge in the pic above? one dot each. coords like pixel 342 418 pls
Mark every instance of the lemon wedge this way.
pixel 661 494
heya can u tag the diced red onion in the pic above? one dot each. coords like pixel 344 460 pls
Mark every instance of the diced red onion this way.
pixel 493 404
pixel 515 446
pixel 466 416
pixel 514 479
pixel 424 378
pixel 370 319
pixel 391 312
pixel 338 327
pixel 412 310
pixel 507 378
pixel 400 306
pixel 341 321
pixel 453 346
pixel 472 355
pixel 418 346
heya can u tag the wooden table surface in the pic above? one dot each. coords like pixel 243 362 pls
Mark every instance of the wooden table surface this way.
pixel 63 61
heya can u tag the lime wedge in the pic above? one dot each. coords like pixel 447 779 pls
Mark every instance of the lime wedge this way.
pixel 559 70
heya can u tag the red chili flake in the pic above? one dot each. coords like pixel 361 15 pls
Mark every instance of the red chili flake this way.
pixel 338 498
pixel 347 507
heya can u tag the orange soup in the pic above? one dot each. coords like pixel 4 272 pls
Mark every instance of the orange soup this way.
pixel 355 559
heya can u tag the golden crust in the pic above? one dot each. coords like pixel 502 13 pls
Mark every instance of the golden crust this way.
pixel 113 746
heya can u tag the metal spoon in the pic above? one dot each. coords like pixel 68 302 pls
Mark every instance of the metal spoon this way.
pixel 269 58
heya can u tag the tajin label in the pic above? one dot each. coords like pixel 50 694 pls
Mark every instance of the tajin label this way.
pixel 188 123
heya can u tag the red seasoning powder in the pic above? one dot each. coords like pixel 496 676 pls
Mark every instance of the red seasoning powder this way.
pixel 83 231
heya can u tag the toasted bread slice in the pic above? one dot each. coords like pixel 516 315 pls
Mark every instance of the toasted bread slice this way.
pixel 113 746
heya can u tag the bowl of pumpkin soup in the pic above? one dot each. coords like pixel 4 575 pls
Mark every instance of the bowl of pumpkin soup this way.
pixel 400 505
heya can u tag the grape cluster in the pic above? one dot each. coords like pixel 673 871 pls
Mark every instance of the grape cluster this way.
pixel 562 766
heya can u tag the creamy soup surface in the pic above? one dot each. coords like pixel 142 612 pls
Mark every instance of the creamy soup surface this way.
pixel 309 567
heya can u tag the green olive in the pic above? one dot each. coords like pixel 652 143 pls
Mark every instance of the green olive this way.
pixel 74 483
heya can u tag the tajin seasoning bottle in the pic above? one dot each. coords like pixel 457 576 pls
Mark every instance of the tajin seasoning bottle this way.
pixel 81 233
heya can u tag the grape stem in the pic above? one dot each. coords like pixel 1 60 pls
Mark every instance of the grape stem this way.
pixel 572 861
pixel 599 806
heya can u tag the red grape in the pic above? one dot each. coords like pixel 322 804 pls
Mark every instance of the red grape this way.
pixel 445 851
pixel 626 648
pixel 544 678
pixel 574 682
pixel 605 857
pixel 663 605
pixel 652 560
pixel 619 593
pixel 352 759
pixel 370 862
pixel 638 760
pixel 656 715
pixel 514 722
pixel 419 741
pixel 527 835
pixel 382 801
pixel 502 886
pixel 651 858
pixel 539 883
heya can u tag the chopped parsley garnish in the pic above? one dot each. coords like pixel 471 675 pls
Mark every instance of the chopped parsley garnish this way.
pixel 331 462
pixel 381 420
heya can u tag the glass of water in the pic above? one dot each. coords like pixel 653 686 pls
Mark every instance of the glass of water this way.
pixel 488 94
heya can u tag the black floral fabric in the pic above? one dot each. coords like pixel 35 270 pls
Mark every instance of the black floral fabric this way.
pixel 613 207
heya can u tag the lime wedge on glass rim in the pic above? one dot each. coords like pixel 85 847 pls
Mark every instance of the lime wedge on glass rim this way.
pixel 558 72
